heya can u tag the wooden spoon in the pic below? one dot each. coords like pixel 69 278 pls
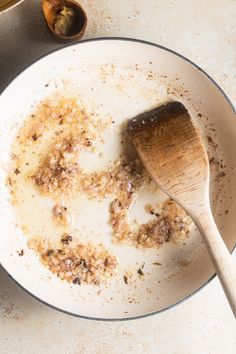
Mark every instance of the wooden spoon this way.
pixel 172 151
pixel 52 8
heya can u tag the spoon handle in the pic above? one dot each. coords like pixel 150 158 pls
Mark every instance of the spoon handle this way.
pixel 220 256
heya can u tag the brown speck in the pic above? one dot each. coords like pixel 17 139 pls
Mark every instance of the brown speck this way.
pixel 76 281
pixel 83 262
pixel 88 142
pixel 221 174
pixel 125 279
pixel 49 253
pixel 9 181
pixel 157 263
pixel 35 137
pixel 199 115
pixel 140 272
pixel 21 253
pixel 213 161
pixel 209 138
pixel 211 141
pixel 66 238
pixel 46 85
pixel 226 212
pixel 17 171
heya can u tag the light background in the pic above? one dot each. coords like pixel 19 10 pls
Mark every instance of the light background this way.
pixel 205 32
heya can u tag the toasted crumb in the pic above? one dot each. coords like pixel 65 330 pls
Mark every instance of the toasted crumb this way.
pixel 60 166
pixel 78 264
pixel 140 272
pixel 21 253
pixel 17 171
pixel 125 279
pixel 129 277
pixel 66 239
pixel 60 214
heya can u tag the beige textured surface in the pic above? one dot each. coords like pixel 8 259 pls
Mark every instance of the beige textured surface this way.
pixel 206 33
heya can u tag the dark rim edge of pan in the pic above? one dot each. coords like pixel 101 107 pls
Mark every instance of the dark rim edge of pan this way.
pixel 219 89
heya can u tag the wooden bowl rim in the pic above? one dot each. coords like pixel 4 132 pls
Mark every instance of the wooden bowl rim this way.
pixel 80 33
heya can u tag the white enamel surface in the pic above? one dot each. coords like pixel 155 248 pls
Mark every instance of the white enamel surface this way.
pixel 123 92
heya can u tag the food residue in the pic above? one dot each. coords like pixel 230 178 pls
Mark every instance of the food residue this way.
pixel 79 264
pixel 64 21
pixel 46 160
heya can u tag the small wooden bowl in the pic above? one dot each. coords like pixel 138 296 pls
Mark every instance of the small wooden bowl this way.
pixel 51 8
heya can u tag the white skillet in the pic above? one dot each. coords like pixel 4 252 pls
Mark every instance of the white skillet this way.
pixel 120 78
